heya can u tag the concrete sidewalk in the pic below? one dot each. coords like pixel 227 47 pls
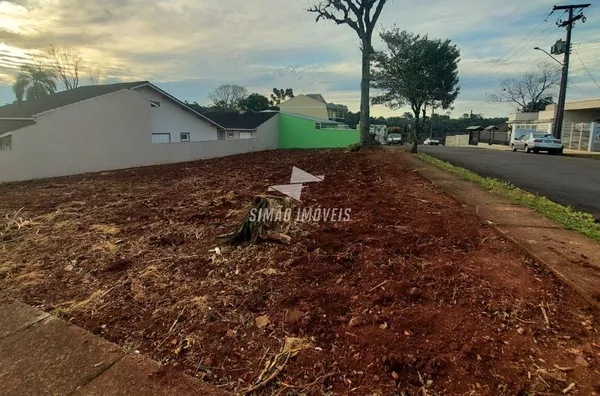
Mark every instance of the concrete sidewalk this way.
pixel 572 257
pixel 43 355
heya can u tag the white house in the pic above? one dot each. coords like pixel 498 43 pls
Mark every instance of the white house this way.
pixel 115 126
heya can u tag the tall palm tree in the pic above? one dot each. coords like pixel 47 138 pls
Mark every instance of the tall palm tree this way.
pixel 34 81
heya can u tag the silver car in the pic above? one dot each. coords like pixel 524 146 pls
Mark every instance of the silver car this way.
pixel 394 138
pixel 537 142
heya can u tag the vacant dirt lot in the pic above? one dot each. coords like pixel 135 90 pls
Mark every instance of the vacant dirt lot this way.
pixel 412 294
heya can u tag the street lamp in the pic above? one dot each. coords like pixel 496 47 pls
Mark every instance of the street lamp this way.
pixel 546 52
pixel 558 112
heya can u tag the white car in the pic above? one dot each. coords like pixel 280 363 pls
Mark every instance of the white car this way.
pixel 394 138
pixel 537 142
pixel 431 142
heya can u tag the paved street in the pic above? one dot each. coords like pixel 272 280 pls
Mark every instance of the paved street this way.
pixel 563 179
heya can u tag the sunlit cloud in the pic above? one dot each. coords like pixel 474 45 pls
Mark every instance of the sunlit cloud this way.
pixel 190 47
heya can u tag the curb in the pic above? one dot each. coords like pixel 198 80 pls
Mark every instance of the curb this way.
pixel 524 249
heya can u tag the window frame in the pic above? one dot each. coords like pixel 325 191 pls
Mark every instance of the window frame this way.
pixel 6 140
pixel 184 140
pixel 230 134
pixel 161 134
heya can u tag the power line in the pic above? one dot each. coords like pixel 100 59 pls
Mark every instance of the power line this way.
pixel 589 67
pixel 520 51
pixel 509 51
pixel 590 41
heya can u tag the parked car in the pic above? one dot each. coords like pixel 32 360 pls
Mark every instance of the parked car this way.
pixel 394 138
pixel 537 142
pixel 431 142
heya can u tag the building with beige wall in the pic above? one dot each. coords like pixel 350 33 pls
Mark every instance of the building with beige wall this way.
pixel 114 126
pixel 580 111
pixel 581 127
pixel 314 105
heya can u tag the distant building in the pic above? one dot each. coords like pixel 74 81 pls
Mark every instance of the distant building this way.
pixel 580 111
pixel 581 127
pixel 314 105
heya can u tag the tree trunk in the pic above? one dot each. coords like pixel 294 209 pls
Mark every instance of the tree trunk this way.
pixel 414 148
pixel 365 137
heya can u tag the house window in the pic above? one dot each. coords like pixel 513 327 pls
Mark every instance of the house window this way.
pixel 6 142
pixel 154 103
pixel 245 135
pixel 184 137
pixel 221 135
pixel 161 138
pixel 230 134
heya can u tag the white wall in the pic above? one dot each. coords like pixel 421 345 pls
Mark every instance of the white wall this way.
pixel 457 140
pixel 170 118
pixel 106 133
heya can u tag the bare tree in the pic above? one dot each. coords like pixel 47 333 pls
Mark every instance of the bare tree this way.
pixel 228 97
pixel 65 61
pixel 533 90
pixel 93 74
pixel 361 16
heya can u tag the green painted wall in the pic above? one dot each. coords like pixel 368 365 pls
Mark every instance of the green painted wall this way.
pixel 296 132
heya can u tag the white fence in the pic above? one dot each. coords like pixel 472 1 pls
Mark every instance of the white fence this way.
pixel 576 135
pixel 457 140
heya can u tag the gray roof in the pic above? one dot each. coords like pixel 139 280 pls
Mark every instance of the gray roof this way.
pixel 11 125
pixel 474 128
pixel 64 98
pixel 318 97
pixel 337 106
pixel 240 121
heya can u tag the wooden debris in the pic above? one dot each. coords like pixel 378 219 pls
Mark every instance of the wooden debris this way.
pixel 275 365
pixel 256 227
pixel 262 321
pixel 569 388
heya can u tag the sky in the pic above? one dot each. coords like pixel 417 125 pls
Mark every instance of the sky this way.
pixel 190 47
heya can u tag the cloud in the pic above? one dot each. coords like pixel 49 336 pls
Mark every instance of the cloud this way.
pixel 189 47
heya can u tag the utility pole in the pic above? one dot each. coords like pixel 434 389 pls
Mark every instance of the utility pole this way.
pixel 560 106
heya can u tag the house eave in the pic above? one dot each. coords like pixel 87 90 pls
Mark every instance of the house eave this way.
pixel 179 102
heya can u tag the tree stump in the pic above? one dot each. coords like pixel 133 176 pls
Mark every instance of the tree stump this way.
pixel 263 222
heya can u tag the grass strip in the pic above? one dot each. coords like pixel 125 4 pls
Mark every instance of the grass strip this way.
pixel 566 216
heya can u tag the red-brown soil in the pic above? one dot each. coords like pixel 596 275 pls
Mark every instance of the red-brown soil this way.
pixel 412 294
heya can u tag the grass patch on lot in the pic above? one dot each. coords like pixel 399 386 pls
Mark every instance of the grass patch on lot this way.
pixel 568 217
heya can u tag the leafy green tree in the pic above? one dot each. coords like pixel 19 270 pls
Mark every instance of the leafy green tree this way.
pixel 539 105
pixel 361 16
pixel 194 105
pixel 34 82
pixel 255 102
pixel 352 119
pixel 416 71
pixel 281 95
